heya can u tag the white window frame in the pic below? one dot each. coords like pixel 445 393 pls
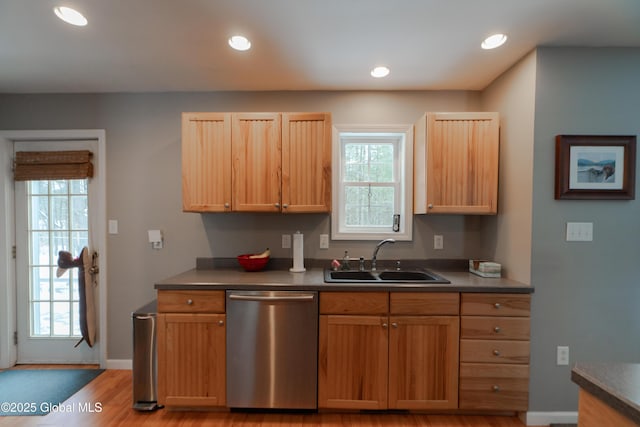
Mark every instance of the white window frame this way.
pixel 404 164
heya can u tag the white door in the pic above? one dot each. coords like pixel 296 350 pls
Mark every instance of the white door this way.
pixel 51 216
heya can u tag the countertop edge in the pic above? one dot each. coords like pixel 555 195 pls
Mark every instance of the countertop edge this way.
pixel 604 391
pixel 313 279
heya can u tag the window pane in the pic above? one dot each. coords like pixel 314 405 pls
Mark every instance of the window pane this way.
pixel 78 186
pixel 39 213
pixel 369 206
pixel 38 187
pixel 40 283
pixel 61 286
pixel 79 210
pixel 368 162
pixel 59 242
pixel 61 318
pixel 59 186
pixel 39 248
pixel 79 239
pixel 59 213
pixel 41 318
pixel 76 319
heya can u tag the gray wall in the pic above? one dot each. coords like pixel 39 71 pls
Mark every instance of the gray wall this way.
pixel 587 294
pixel 144 188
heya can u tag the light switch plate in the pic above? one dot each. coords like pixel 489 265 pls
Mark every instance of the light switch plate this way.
pixel 579 232
pixel 113 226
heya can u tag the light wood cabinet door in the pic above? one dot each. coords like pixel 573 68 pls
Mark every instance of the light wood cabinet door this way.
pixel 206 162
pixel 457 163
pixel 257 155
pixel 352 363
pixel 423 362
pixel 191 360
pixel 306 162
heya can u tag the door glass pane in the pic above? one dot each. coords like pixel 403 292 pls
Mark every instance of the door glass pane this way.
pixel 58 221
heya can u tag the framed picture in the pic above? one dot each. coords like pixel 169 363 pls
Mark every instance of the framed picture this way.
pixel 595 167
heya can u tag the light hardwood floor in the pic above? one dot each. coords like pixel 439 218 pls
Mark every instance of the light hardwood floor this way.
pixel 112 390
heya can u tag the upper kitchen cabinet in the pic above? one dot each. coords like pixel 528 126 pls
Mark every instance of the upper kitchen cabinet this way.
pixel 256 162
pixel 206 162
pixel 456 163
pixel 306 162
pixel 257 154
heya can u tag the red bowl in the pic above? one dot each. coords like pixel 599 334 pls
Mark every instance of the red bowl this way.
pixel 252 264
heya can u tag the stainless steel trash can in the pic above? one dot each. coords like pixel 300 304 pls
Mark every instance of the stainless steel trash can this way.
pixel 145 397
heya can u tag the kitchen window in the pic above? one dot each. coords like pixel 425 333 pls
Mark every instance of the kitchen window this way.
pixel 372 193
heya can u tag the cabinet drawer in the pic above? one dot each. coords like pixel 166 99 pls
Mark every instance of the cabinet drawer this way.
pixel 495 305
pixel 495 328
pixel 485 351
pixel 191 301
pixel 430 303
pixel 494 386
pixel 354 302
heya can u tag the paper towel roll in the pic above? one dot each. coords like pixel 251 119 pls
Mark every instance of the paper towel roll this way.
pixel 298 253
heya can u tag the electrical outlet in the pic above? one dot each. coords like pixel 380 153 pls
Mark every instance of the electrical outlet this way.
pixel 324 241
pixel 286 241
pixel 562 355
pixel 579 232
pixel 438 242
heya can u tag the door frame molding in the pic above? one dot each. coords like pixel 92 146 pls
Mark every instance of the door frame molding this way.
pixel 8 354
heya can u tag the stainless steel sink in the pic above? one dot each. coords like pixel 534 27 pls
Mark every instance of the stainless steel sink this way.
pixel 383 276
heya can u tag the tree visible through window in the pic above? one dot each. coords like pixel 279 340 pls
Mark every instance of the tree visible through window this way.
pixel 371 186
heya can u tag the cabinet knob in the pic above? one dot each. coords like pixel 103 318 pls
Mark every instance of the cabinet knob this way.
pixel 430 206
pixel 496 388
pixel 385 326
pixel 189 302
pixel 220 322
pixel 226 205
pixel 496 352
pixel 497 305
pixel 277 205
pixel 497 329
pixel 285 206
pixel 394 325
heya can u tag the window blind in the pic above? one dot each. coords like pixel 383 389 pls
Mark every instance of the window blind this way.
pixel 38 165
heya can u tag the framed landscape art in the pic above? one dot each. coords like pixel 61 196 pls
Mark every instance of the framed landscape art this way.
pixel 595 167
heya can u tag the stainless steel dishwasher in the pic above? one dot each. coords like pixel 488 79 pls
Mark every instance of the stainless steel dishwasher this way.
pixel 272 349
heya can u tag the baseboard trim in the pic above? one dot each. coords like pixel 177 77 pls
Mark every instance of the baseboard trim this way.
pixel 546 418
pixel 119 364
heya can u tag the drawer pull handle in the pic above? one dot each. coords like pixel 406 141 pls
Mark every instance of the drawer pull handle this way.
pixel 496 388
pixel 189 301
pixel 496 352
pixel 497 305
pixel 497 329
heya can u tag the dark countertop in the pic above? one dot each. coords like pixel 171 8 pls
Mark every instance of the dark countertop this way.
pixel 616 384
pixel 313 279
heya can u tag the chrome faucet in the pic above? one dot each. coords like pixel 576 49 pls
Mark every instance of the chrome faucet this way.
pixel 374 258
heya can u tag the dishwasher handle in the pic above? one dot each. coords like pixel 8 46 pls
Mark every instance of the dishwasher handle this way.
pixel 247 297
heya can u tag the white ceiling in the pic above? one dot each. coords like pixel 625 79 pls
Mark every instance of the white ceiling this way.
pixel 181 45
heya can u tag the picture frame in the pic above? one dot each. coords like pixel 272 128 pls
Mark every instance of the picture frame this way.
pixel 592 167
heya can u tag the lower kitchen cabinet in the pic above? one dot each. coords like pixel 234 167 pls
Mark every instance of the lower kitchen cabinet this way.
pixel 353 360
pixel 423 362
pixel 494 352
pixel 371 358
pixel 191 349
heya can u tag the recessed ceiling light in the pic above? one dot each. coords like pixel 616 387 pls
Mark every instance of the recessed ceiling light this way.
pixel 239 43
pixel 494 41
pixel 380 72
pixel 70 16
